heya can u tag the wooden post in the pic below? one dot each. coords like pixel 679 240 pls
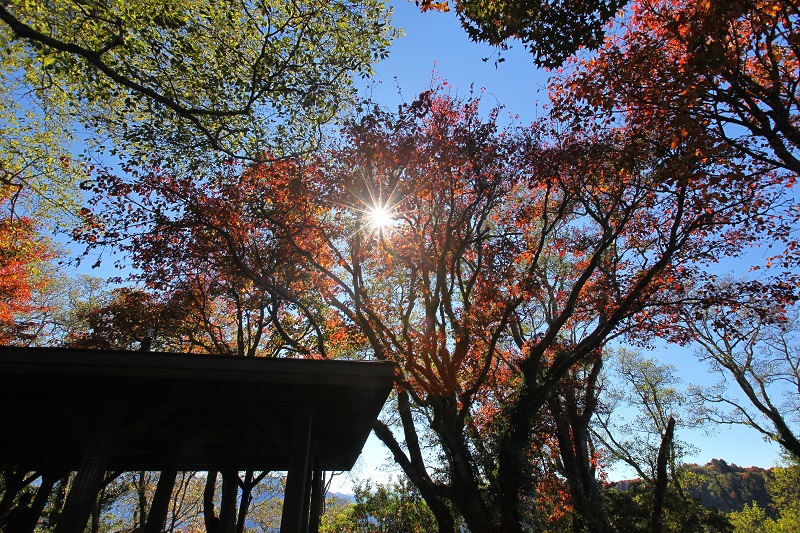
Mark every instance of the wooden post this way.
pixel 317 497
pixel 296 496
pixel 227 504
pixel 82 495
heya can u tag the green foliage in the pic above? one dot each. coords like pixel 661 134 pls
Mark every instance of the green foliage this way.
pixel 751 519
pixel 788 521
pixel 785 492
pixel 267 505
pixel 727 487
pixel 35 161
pixel 552 30
pixel 630 511
pixel 785 486
pixel 183 78
pixel 391 508
pixel 336 514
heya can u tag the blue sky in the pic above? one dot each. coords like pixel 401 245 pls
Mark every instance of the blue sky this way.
pixel 435 45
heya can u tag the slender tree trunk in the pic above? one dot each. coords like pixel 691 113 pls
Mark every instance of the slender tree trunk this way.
pixel 227 506
pixel 141 493
pixel 244 502
pixel 58 502
pixel 413 465
pixel 40 500
pixel 96 511
pixel 661 477
pixel 209 517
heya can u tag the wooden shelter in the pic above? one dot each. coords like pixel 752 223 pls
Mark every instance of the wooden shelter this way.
pixel 96 411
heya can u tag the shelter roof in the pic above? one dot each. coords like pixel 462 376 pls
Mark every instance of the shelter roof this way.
pixel 194 412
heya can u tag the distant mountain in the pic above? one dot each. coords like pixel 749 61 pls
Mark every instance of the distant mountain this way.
pixel 723 486
pixel 348 498
pixel 728 487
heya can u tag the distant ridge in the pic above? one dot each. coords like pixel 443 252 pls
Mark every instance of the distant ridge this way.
pixel 721 485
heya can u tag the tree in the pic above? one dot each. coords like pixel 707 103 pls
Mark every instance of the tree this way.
pixel 731 67
pixel 751 519
pixel 552 30
pixel 786 497
pixel 392 508
pixel 187 79
pixel 22 254
pixel 572 407
pixel 132 320
pixel 783 488
pixel 201 313
pixel 650 388
pixel 235 265
pixel 508 258
pixel 647 443
pixel 39 176
pixel 64 304
pixel 726 487
pixel 750 340
pixel 128 498
pixel 631 511
pixel 728 72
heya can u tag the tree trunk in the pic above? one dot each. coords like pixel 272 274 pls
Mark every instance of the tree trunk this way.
pixel 141 493
pixel 244 502
pixel 467 497
pixel 587 502
pixel 227 506
pixel 413 464
pixel 572 409
pixel 661 477
pixel 209 517
pixel 58 502
pixel 40 500
pixel 96 512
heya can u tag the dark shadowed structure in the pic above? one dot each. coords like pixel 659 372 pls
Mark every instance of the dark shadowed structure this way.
pixel 97 411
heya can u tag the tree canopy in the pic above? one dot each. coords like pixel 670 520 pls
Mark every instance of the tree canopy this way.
pixel 145 84
pixel 22 255
pixel 552 30
pixel 511 256
pixel 495 265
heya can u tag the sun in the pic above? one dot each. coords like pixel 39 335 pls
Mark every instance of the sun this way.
pixel 379 217
pixel 377 207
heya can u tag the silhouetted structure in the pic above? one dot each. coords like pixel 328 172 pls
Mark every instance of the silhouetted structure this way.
pixel 94 411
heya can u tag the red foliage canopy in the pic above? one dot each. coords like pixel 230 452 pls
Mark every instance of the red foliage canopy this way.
pixel 512 256
pixel 22 252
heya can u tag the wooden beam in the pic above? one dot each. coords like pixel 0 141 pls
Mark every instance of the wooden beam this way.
pixel 90 475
